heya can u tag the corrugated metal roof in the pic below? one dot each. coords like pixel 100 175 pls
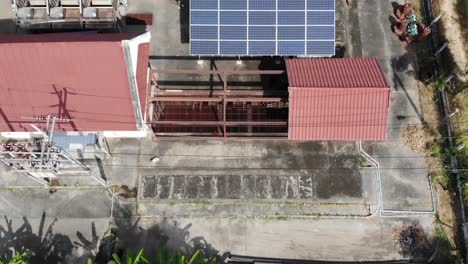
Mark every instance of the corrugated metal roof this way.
pixel 345 111
pixel 79 77
pixel 335 73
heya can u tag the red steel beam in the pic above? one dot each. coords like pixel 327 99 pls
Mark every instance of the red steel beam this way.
pixel 219 123
pixel 246 138
pixel 175 91
pixel 224 105
pixel 185 99
pixel 216 99
pixel 256 99
pixel 208 72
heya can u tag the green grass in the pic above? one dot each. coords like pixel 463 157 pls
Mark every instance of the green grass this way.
pixel 280 217
pixel 288 203
pixel 439 231
pixel 460 120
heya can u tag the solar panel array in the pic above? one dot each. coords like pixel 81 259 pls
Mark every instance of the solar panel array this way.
pixel 262 27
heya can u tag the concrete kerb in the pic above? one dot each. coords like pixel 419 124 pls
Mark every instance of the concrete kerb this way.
pixel 393 212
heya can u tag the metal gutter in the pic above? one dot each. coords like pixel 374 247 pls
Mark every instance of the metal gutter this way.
pixel 131 62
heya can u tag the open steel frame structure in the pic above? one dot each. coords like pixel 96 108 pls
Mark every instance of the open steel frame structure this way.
pixel 226 113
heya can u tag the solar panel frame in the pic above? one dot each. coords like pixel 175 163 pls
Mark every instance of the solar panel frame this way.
pixel 246 27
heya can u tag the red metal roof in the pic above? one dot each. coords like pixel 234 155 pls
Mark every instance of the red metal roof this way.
pixel 79 77
pixel 335 73
pixel 332 99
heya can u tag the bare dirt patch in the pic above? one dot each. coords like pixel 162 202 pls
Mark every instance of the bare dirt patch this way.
pixel 418 138
pixel 446 213
pixel 453 31
pixel 421 138
pixel 426 140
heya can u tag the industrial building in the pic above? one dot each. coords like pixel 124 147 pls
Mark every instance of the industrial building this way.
pixel 64 93
pixel 90 83
pixel 322 99
pixel 67 14
pixel 102 84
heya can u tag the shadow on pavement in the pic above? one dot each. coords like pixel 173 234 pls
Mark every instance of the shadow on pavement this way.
pixel 167 235
pixel 47 246
pixel 7 27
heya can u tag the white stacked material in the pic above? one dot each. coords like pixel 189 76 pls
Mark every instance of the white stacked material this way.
pixel 90 12
pixel 56 12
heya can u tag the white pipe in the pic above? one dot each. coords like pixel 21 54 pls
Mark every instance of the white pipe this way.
pixel 435 19
pixel 377 173
pixel 441 49
pixel 382 210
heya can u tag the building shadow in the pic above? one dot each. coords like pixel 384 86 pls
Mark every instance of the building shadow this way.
pixel 8 27
pixel 132 24
pixel 340 52
pixel 184 16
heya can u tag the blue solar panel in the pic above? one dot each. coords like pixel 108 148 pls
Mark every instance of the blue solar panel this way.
pixel 262 33
pixel 233 18
pixel 262 47
pixel 204 32
pixel 320 18
pixel 262 18
pixel 262 27
pixel 320 32
pixel 204 4
pixel 291 33
pixel 320 5
pixel 233 47
pixel 233 4
pixel 203 47
pixel 320 47
pixel 233 33
pixel 204 17
pixel 291 4
pixel 262 4
pixel 291 18
pixel 291 47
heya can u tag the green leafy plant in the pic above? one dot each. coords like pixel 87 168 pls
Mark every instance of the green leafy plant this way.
pixel 439 82
pixel 161 258
pixel 18 258
pixel 130 259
